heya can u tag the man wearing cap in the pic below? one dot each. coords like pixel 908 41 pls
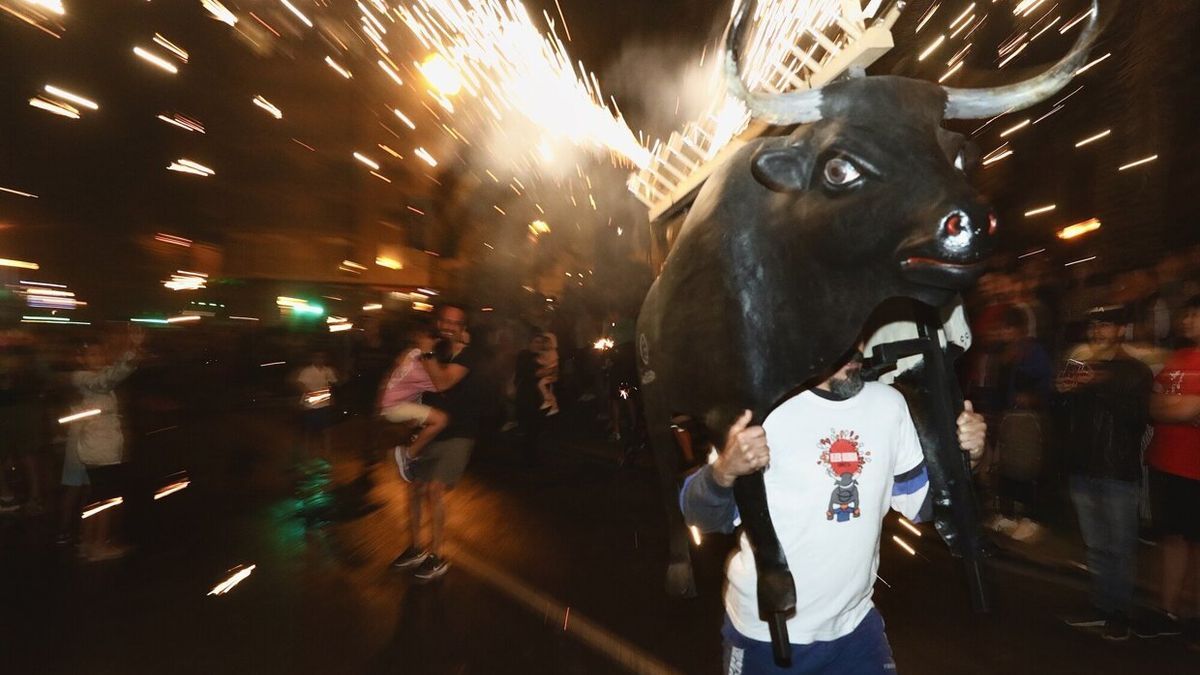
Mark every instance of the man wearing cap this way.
pixel 1103 404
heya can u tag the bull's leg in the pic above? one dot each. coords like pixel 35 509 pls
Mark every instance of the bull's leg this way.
pixel 776 589
pixel 680 580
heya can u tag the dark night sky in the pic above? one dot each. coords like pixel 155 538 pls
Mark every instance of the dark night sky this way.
pixel 102 179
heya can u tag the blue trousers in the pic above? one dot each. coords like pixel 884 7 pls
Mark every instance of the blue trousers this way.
pixel 1108 519
pixel 865 651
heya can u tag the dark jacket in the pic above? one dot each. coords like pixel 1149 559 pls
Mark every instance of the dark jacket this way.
pixel 1103 422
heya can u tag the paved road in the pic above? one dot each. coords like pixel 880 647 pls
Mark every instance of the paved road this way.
pixel 556 569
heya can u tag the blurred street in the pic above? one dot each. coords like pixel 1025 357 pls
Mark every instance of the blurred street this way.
pixel 556 568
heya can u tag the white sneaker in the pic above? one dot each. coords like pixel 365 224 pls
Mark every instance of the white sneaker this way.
pixel 403 462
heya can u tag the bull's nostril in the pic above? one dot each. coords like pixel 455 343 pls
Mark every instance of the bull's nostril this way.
pixel 954 224
pixel 992 224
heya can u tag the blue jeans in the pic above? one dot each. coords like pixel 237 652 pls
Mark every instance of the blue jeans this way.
pixel 865 651
pixel 1108 518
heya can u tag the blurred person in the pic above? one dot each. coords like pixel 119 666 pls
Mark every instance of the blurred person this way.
pixel 835 546
pixel 315 381
pixel 547 373
pixel 98 441
pixel 23 383
pixel 622 372
pixel 400 398
pixel 454 371
pixel 1020 439
pixel 1103 400
pixel 1174 460
pixel 1022 358
pixel 531 415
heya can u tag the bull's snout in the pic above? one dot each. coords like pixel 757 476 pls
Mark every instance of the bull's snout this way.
pixel 962 236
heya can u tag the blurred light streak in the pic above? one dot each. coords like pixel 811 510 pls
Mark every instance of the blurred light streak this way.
pixel 18 193
pixel 903 544
pixel 1016 127
pixel 372 307
pixel 1079 229
pixel 183 319
pixel 1071 24
pixel 932 47
pixel 1052 111
pixel 44 284
pixel 381 177
pixel 954 69
pixel 390 72
pixel 93 509
pixel 19 264
pixel 422 306
pixel 268 106
pixel 298 13
pixel 1081 260
pixel 962 27
pixel 1046 28
pixel 499 210
pixel 272 363
pixel 427 291
pixel 162 322
pixel 928 15
pixel 366 160
pixel 1097 137
pixel 188 166
pixel 341 71
pixel 1139 162
pixel 424 155
pixel 243 318
pixel 73 98
pixel 353 265
pixel 304 145
pixel 1031 253
pixel 695 534
pixel 962 16
pixel 909 526
pixel 155 59
pixel 390 151
pixel 47 319
pixel 389 263
pixel 1087 66
pixel 1041 209
pixel 233 580
pixel 171 488
pixel 1064 99
pixel 166 44
pixel 219 11
pixel 403 118
pixel 182 122
pixel 339 327
pixel 1013 55
pixel 56 108
pixel 172 239
pixel 265 24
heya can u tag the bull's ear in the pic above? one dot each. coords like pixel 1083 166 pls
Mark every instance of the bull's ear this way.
pixel 782 168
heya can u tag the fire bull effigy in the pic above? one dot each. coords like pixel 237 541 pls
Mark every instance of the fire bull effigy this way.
pixel 788 249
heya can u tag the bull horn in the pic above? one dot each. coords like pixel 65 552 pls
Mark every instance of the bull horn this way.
pixel 800 107
pixel 973 104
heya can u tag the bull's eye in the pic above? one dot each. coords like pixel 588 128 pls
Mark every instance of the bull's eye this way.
pixel 959 163
pixel 841 172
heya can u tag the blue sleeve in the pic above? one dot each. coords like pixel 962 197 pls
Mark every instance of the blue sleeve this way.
pixel 705 504
pixel 911 495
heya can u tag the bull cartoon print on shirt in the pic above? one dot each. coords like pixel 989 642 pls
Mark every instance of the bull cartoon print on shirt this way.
pixel 843 457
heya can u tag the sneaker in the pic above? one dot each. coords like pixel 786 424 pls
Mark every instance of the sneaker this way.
pixel 1116 629
pixel 403 462
pixel 1088 618
pixel 552 411
pixel 432 568
pixel 1159 625
pixel 411 557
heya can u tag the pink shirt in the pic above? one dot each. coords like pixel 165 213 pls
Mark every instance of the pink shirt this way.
pixel 407 381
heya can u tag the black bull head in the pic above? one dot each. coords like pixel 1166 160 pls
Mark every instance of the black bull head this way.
pixel 794 241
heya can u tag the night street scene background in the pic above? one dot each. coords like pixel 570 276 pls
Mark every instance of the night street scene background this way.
pixel 238 237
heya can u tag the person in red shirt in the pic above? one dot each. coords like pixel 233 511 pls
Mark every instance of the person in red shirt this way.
pixel 1174 459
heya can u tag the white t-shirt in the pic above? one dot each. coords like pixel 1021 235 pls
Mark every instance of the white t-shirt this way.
pixel 829 486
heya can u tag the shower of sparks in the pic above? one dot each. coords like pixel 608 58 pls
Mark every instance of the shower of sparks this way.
pixel 166 44
pixel 391 72
pixel 366 160
pixel 493 50
pixel 182 122
pixel 300 15
pixel 425 156
pixel 61 109
pixel 18 193
pixel 219 11
pixel 268 106
pixel 1079 229
pixel 341 71
pixel 93 509
pixel 171 488
pixel 79 415
pixel 1039 210
pixel 904 545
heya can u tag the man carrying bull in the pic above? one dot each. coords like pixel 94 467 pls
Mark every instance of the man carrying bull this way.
pixel 842 432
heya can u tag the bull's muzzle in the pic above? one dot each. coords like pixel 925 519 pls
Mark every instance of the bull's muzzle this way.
pixel 953 257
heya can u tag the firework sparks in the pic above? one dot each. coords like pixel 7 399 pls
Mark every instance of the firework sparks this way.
pixel 188 166
pixel 233 580
pixel 268 106
pixel 155 59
